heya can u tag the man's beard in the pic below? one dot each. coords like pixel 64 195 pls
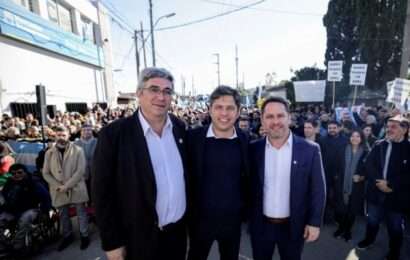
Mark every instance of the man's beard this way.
pixel 61 143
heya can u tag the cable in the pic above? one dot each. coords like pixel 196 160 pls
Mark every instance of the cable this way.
pixel 126 56
pixel 264 9
pixel 210 17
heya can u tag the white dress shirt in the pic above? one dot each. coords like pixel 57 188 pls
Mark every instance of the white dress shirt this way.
pixel 211 133
pixel 276 188
pixel 168 171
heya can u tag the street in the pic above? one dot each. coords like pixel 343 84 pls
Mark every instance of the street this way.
pixel 326 248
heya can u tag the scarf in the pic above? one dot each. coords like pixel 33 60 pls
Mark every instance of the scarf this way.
pixel 351 162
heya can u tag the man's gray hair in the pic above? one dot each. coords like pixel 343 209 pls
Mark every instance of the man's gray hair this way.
pixel 153 72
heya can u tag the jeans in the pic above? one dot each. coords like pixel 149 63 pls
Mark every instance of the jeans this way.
pixel 66 221
pixel 394 223
pixel 23 225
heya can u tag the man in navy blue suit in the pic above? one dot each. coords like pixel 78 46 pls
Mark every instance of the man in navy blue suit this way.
pixel 288 187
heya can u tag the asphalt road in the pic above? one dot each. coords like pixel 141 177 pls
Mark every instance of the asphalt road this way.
pixel 326 248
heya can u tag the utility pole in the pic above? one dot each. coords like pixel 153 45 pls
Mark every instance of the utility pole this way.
pixel 143 45
pixel 183 85
pixel 237 66
pixel 137 53
pixel 152 33
pixel 405 56
pixel 193 87
pixel 218 71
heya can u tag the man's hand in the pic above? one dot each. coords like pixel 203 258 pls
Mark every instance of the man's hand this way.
pixel 116 254
pixel 382 185
pixel 311 233
pixel 356 178
pixel 61 188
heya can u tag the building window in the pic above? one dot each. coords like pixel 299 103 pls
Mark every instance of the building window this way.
pixel 30 5
pixel 87 29
pixel 60 14
pixel 52 11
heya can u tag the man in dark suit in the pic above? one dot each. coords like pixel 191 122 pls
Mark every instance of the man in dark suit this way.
pixel 219 170
pixel 139 178
pixel 288 187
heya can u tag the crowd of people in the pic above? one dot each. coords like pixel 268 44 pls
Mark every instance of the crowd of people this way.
pixel 151 172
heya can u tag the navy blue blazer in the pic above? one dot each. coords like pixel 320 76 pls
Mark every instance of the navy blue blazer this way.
pixel 307 186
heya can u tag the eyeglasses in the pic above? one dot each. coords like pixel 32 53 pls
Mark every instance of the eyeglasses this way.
pixel 156 90
pixel 19 172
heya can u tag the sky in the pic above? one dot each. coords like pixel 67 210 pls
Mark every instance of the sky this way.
pixel 275 36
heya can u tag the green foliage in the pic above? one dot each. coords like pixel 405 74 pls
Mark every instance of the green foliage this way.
pixel 366 32
pixel 309 73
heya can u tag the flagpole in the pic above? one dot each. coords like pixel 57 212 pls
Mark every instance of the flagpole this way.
pixel 334 89
pixel 354 95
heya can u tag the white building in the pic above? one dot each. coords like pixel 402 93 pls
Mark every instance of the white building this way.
pixel 64 45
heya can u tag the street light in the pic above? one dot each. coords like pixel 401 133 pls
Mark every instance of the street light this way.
pixel 164 16
pixel 152 29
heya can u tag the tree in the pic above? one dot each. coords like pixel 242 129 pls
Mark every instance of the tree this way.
pixel 309 73
pixel 366 32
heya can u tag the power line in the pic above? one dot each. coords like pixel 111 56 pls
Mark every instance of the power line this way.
pixel 210 17
pixel 264 9
pixel 117 17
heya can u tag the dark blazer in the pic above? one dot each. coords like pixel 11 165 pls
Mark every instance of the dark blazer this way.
pixel 196 149
pixel 124 189
pixel 399 199
pixel 307 186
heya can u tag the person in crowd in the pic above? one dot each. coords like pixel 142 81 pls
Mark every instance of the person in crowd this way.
pixel 64 169
pixel 369 138
pixel 288 187
pixel 245 125
pixel 23 200
pixel 139 177
pixel 350 185
pixel 218 159
pixel 88 142
pixel 388 186
pixel 332 146
pixel 6 160
pixel 310 130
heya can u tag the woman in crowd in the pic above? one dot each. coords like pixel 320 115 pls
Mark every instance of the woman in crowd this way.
pixel 350 185
pixel 369 137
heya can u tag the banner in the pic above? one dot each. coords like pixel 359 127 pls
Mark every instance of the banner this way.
pixel 398 91
pixel 358 74
pixel 310 91
pixel 18 23
pixel 335 70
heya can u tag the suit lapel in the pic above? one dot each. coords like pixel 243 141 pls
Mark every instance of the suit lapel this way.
pixel 261 156
pixel 143 160
pixel 201 150
pixel 179 137
pixel 296 161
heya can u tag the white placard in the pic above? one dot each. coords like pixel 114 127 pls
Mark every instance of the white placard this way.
pixel 310 91
pixel 335 70
pixel 358 74
pixel 398 91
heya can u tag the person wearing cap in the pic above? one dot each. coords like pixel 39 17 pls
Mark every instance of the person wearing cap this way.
pixel 138 178
pixel 63 170
pixel 388 183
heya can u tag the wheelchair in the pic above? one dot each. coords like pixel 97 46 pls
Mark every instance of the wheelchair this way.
pixel 45 229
